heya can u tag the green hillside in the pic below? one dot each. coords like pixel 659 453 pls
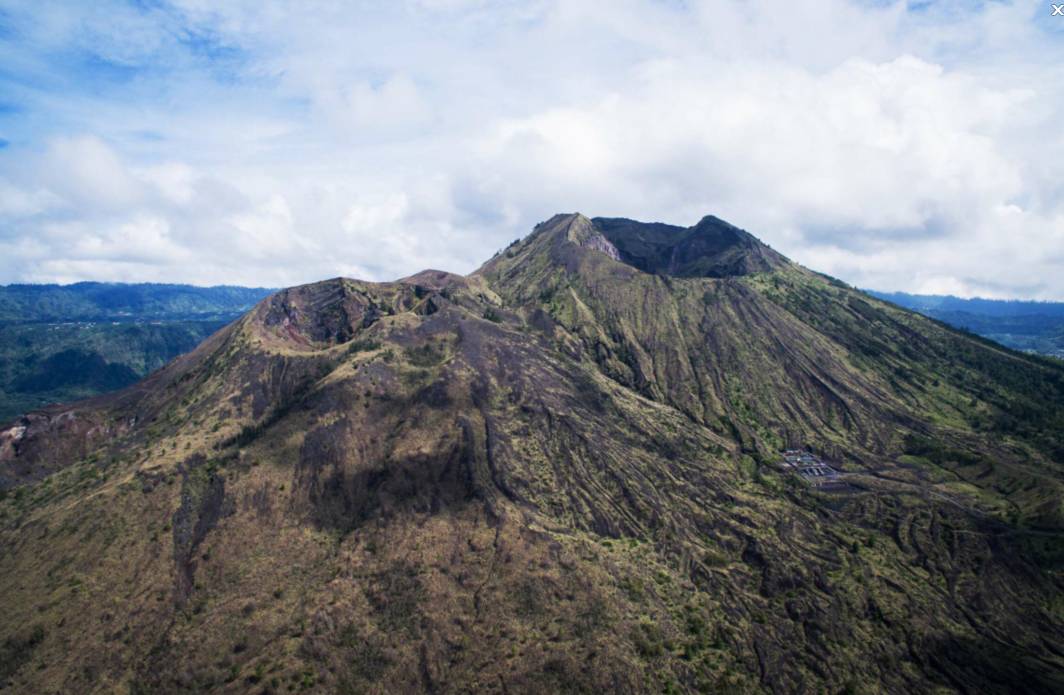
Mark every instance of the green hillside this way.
pixel 44 363
pixel 63 343
pixel 1021 325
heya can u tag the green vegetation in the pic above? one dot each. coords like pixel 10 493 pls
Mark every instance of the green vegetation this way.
pixel 96 301
pixel 1020 325
pixel 17 650
pixel 64 343
pixel 362 345
pixel 46 363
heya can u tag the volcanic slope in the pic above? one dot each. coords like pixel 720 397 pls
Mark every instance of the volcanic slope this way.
pixel 557 474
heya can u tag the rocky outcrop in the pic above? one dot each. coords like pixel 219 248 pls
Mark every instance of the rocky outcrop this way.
pixel 582 232
pixel 45 441
pixel 203 505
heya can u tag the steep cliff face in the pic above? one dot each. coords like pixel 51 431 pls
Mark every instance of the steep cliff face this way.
pixel 557 473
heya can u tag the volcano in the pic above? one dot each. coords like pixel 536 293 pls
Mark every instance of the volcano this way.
pixel 564 472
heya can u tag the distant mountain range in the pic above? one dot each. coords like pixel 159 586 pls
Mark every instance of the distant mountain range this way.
pixel 64 342
pixel 95 301
pixel 1021 325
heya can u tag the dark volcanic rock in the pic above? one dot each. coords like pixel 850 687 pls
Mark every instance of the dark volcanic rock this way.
pixel 712 248
pixel 203 504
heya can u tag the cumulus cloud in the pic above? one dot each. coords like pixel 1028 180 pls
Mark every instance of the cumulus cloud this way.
pixel 87 174
pixel 913 147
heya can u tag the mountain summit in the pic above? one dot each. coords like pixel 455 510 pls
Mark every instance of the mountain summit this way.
pixel 712 248
pixel 561 473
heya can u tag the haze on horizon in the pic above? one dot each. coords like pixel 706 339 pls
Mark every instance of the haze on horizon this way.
pixel 912 146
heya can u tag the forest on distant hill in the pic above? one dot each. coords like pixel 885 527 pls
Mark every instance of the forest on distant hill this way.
pixel 1021 325
pixel 96 301
pixel 59 343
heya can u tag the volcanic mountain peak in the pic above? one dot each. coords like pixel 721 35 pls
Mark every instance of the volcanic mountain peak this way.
pixel 328 312
pixel 712 248
pixel 435 279
pixel 559 473
pixel 333 312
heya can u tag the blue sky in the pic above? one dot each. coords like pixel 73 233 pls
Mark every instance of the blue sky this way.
pixel 908 146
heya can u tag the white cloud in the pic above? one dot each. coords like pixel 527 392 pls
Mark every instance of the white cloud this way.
pixel 895 148
pixel 87 173
pixel 175 182
pixel 391 107
pixel 17 202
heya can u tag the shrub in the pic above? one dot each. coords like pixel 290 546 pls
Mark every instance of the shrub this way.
pixel 363 345
pixel 648 640
pixel 17 650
